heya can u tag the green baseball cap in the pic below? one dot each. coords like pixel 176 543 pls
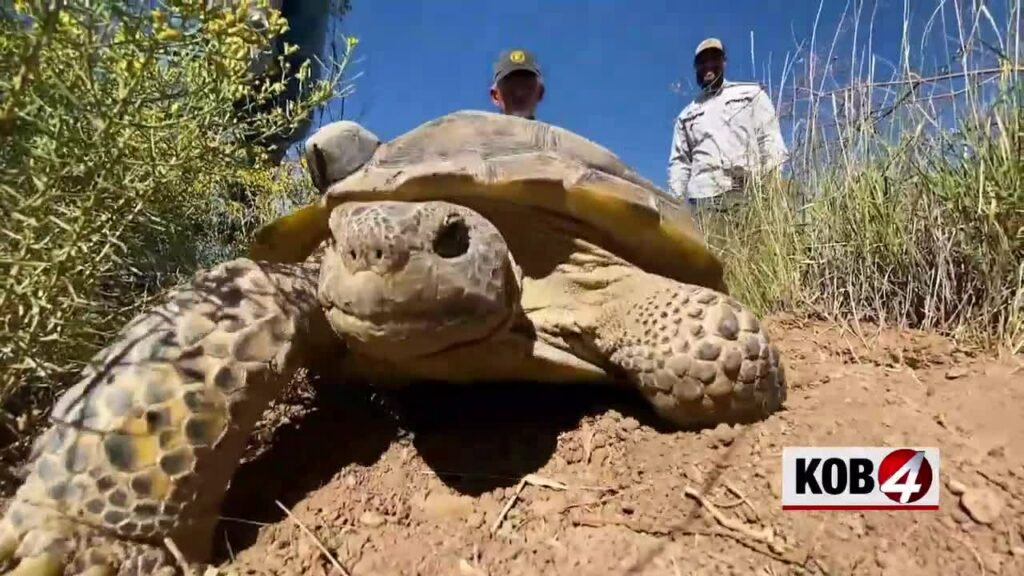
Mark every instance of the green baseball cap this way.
pixel 510 61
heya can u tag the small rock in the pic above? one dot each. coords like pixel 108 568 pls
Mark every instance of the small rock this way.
pixel 550 506
pixel 475 520
pixel 467 569
pixel 983 505
pixel 629 424
pixel 956 372
pixel 437 506
pixel 371 519
pixel 775 485
pixel 993 562
pixel 959 515
pixel 749 514
pixel 694 474
pixel 725 434
pixel 1017 551
pixel 956 487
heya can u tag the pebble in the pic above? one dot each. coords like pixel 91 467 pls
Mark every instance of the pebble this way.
pixel 725 434
pixel 959 515
pixel 993 562
pixel 371 519
pixel 629 424
pixel 439 506
pixel 954 373
pixel 775 485
pixel 956 487
pixel 475 520
pixel 983 505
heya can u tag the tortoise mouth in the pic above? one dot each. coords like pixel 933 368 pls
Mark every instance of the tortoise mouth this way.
pixel 408 279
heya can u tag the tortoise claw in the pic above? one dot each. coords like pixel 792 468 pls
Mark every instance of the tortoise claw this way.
pixel 44 565
pixel 54 546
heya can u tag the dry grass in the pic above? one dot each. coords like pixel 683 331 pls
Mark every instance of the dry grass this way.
pixel 903 204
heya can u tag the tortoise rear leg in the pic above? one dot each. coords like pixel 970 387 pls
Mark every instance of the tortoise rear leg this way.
pixel 144 446
pixel 698 355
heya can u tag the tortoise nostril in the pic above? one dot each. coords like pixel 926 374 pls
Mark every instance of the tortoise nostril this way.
pixel 452 239
pixel 379 254
pixel 352 253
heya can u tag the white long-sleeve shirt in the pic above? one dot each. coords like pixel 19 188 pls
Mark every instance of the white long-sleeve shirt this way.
pixel 719 133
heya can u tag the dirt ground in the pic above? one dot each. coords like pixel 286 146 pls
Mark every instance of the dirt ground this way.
pixel 419 483
pixel 529 479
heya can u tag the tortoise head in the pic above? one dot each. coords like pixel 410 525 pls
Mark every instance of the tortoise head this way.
pixel 407 279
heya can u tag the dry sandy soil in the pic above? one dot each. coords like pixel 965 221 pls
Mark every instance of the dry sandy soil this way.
pixel 416 483
pixel 527 479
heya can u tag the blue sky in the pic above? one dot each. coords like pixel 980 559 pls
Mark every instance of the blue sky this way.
pixel 608 64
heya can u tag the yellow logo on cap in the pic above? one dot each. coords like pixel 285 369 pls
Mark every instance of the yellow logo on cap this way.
pixel 517 56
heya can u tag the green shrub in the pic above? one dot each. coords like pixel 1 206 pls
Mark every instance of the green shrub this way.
pixel 124 168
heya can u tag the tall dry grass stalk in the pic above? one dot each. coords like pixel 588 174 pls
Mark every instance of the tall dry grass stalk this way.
pixel 902 203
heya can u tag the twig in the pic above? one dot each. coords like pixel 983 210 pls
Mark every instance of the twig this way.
pixel 599 522
pixel 179 557
pixel 588 503
pixel 1001 484
pixel 743 499
pixel 977 557
pixel 588 445
pixel 766 536
pixel 508 505
pixel 532 480
pixel 227 543
pixel 243 521
pixel 319 544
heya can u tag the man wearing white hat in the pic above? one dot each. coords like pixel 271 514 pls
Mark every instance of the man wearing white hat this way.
pixel 721 138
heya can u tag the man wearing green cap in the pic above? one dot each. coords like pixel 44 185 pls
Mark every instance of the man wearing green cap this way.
pixel 726 134
pixel 517 86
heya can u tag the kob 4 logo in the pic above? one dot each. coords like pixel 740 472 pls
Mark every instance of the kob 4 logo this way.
pixel 860 478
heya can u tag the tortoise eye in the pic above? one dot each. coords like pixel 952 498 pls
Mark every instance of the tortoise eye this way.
pixel 452 238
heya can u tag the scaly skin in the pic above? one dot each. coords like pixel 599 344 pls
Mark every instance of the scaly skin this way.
pixel 403 280
pixel 698 355
pixel 143 447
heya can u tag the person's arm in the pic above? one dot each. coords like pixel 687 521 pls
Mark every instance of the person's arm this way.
pixel 771 146
pixel 679 159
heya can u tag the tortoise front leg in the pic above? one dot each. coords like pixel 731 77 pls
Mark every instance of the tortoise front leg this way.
pixel 144 446
pixel 698 355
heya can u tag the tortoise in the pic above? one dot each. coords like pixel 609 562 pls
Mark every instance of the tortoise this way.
pixel 474 247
